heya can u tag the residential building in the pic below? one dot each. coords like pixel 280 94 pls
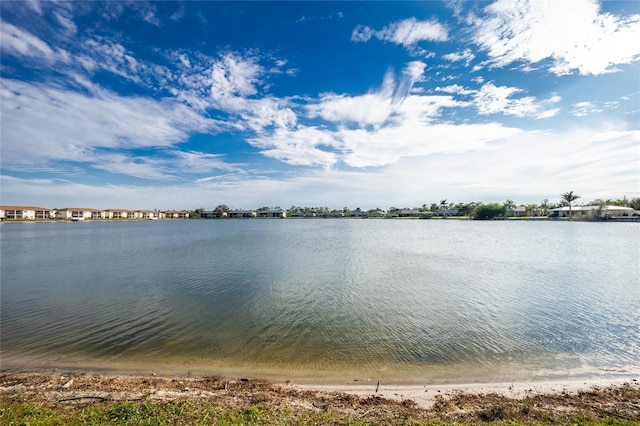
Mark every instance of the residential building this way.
pixel 76 213
pixel 119 214
pixel 240 214
pixel 176 214
pixel 272 213
pixel 26 213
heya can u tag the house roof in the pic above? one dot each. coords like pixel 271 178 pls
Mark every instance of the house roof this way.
pixel 587 208
pixel 80 209
pixel 23 208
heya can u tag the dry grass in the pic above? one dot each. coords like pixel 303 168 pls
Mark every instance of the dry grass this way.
pixel 253 401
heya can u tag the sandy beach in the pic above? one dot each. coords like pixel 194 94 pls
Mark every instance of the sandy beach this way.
pixel 542 401
pixel 425 396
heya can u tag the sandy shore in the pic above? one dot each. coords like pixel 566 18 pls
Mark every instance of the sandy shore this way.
pixel 425 396
pixel 477 403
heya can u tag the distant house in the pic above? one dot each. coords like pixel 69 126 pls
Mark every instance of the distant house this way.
pixel 590 211
pixel 241 214
pixel 519 211
pixel 377 213
pixel 405 213
pixel 336 213
pixel 357 213
pixel 145 214
pixel 272 213
pixel 118 214
pixel 25 213
pixel 447 212
pixel 77 213
pixel 176 214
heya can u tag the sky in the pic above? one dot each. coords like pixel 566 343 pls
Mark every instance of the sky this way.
pixel 182 105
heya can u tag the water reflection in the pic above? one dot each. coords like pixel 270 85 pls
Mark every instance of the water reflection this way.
pixel 332 296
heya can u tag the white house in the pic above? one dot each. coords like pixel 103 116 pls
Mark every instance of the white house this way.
pixel 590 211
pixel 78 213
pixel 119 214
pixel 25 213
pixel 176 214
pixel 145 214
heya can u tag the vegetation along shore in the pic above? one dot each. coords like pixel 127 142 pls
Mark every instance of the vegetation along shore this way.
pixel 609 209
pixel 45 398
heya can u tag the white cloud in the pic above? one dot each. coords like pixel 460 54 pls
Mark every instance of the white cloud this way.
pixel 466 55
pixel 456 89
pixel 35 6
pixel 526 167
pixel 407 32
pixel 492 99
pixel 200 162
pixel 373 108
pixel 42 124
pixel 573 34
pixel 66 22
pixel 298 147
pixel 234 76
pixel 16 41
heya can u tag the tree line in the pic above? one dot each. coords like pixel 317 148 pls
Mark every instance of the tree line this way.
pixel 477 210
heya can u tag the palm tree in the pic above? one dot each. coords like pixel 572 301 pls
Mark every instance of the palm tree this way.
pixel 569 197
pixel 509 205
pixel 443 205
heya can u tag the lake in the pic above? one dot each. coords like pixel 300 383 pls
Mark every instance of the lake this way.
pixel 422 301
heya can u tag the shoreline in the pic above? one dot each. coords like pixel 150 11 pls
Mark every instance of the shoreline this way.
pixel 75 398
pixel 424 395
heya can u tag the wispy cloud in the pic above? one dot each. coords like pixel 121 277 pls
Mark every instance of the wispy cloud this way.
pixel 57 124
pixel 407 32
pixel 491 99
pixel 465 55
pixel 572 34
pixel 18 42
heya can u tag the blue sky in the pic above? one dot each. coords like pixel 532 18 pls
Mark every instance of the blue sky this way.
pixel 358 104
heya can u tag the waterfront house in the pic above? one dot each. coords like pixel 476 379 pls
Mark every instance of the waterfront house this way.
pixel 118 214
pixel 405 213
pixel 519 211
pixel 240 214
pixel 176 214
pixel 358 213
pixel 447 212
pixel 377 213
pixel 591 211
pixel 272 213
pixel 77 213
pixel 26 213
pixel 144 214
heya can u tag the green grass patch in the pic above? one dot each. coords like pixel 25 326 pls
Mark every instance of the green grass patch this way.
pixel 183 412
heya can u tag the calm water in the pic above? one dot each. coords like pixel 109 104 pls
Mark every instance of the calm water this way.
pixel 336 299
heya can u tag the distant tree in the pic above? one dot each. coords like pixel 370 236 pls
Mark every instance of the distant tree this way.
pixel 443 207
pixel 509 205
pixel 599 213
pixel 531 209
pixel 545 207
pixel 635 203
pixel 568 198
pixel 221 210
pixel 489 211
